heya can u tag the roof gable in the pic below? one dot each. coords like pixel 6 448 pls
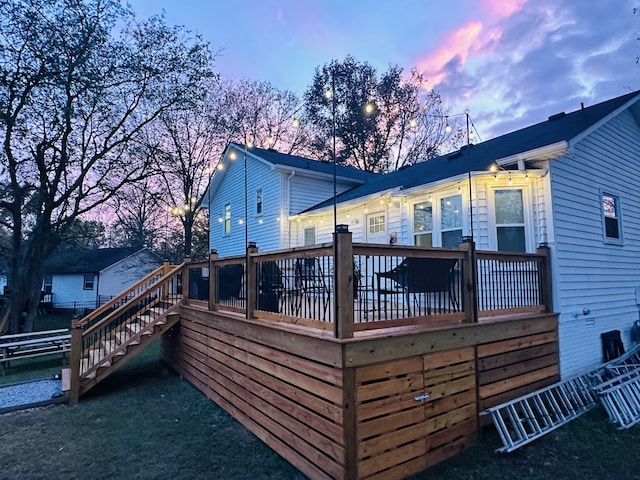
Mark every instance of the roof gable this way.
pixel 84 261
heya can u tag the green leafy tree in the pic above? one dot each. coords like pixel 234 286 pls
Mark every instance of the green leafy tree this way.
pixel 381 122
pixel 79 81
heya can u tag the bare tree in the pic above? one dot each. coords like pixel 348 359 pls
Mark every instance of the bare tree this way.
pixel 259 113
pixel 381 122
pixel 79 81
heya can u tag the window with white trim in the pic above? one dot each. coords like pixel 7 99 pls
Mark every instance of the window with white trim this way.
pixel 88 282
pixel 611 218
pixel 309 236
pixel 423 224
pixel 451 221
pixel 227 219
pixel 510 226
pixel 376 224
pixel 259 201
pixel 48 284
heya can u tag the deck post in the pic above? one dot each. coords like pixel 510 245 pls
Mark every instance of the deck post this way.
pixel 213 280
pixel 469 281
pixel 185 281
pixel 250 281
pixel 74 361
pixel 545 277
pixel 343 282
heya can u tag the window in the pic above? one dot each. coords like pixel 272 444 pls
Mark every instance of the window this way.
pixel 309 236
pixel 259 201
pixel 451 221
pixel 611 215
pixel 88 282
pixel 423 224
pixel 48 284
pixel 376 224
pixel 509 208
pixel 227 219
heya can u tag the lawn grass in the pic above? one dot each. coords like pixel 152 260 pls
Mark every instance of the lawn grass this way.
pixel 144 422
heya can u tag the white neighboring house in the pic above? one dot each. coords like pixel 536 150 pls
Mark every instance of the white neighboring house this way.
pixel 86 278
pixel 571 182
pixel 278 186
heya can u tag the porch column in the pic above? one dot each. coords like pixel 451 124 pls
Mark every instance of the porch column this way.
pixel 343 282
pixel 545 277
pixel 74 361
pixel 250 281
pixel 213 280
pixel 469 281
pixel 186 274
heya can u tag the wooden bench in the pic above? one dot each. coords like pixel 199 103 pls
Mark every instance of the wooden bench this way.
pixel 34 344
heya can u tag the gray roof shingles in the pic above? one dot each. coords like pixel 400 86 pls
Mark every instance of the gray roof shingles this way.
pixel 561 127
pixel 75 261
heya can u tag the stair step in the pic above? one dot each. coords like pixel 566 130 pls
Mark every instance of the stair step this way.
pixel 85 365
pixel 146 319
pixel 157 310
pixel 137 327
pixel 123 337
pixel 96 355
pixel 111 345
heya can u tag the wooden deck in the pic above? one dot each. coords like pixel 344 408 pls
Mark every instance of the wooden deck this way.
pixel 345 386
pixel 347 409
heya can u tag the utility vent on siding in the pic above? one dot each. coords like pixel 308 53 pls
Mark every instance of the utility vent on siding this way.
pixel 557 116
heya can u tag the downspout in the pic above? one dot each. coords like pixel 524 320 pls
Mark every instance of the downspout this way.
pixel 288 204
pixel 98 290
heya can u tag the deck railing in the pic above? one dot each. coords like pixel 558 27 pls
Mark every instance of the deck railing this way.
pixel 346 287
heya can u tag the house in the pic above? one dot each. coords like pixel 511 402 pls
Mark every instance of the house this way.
pixel 571 182
pixel 277 186
pixel 79 278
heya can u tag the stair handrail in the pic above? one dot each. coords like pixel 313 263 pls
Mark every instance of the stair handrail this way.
pixel 158 284
pixel 106 306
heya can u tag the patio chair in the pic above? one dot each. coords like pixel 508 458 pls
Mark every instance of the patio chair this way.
pixel 310 285
pixel 271 286
pixel 428 276
pixel 230 281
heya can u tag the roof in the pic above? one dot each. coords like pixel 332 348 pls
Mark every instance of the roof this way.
pixel 562 127
pixel 70 261
pixel 277 158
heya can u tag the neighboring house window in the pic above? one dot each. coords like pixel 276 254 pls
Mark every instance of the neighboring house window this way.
pixel 611 215
pixel 88 282
pixel 48 284
pixel 309 236
pixel 451 221
pixel 227 219
pixel 259 201
pixel 509 208
pixel 423 224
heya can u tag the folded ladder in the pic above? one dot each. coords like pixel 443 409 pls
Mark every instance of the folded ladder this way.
pixel 621 398
pixel 524 419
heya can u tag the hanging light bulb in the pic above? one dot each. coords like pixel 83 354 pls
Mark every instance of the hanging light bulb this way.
pixel 509 182
pixel 526 177
pixel 413 123
pixel 447 127
pixel 296 122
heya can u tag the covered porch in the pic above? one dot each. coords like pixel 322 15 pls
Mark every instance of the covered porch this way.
pixel 365 361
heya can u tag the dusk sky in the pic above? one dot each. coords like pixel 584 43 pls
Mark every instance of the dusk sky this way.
pixel 511 63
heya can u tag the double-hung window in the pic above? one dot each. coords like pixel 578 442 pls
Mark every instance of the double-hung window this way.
pixel 611 218
pixel 227 219
pixel 509 210
pixel 88 282
pixel 423 224
pixel 451 221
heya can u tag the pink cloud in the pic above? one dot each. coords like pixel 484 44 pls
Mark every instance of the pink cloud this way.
pixel 503 8
pixel 457 45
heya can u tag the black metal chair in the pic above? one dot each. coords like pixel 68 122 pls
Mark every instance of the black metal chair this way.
pixel 421 276
pixel 310 284
pixel 271 286
pixel 230 281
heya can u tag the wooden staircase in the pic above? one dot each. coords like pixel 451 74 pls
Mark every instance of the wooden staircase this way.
pixel 110 336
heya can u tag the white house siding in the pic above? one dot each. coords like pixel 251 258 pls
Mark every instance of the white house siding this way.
pixel 231 191
pixel 68 290
pixel 590 274
pixel 119 276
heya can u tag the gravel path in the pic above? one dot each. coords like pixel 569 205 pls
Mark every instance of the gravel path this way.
pixel 21 395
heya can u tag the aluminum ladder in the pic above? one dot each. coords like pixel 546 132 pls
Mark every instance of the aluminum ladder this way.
pixel 527 418
pixel 620 397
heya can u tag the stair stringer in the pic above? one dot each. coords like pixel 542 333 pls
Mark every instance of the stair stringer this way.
pixel 135 344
